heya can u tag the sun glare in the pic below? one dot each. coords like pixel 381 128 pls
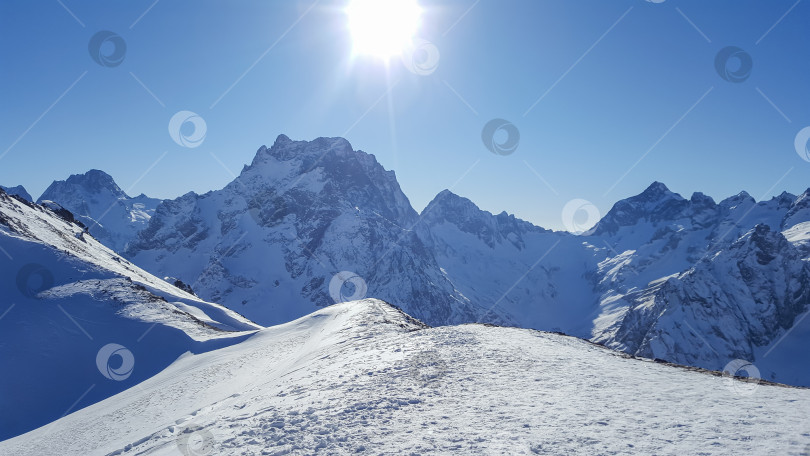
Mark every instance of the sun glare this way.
pixel 383 28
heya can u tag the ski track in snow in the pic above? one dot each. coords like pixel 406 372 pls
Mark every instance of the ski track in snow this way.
pixel 361 378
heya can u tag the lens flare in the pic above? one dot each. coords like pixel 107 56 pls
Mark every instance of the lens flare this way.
pixel 383 28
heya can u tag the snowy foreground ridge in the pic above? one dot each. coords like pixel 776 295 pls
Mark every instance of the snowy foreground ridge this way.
pixel 362 377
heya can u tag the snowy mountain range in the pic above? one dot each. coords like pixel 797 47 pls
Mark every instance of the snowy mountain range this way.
pixel 311 223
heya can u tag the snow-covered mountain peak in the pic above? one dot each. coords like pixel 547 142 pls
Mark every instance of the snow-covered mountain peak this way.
pixel 284 149
pixel 742 198
pixel 700 199
pixel 799 211
pixel 94 181
pixel 656 203
pixel 447 207
pixel 112 216
pixel 18 190
pixel 657 191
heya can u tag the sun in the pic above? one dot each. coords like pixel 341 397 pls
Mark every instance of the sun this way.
pixel 383 28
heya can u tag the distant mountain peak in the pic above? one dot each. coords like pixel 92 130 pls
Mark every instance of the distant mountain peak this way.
pixel 702 199
pixel 736 200
pixel 96 180
pixel 94 198
pixel 657 191
pixel 18 190
pixel 654 204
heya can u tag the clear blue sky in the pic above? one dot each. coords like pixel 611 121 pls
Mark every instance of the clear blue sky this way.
pixel 609 96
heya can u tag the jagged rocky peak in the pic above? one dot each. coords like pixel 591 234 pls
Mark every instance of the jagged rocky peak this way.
pixel 785 199
pixel 447 207
pixel 657 191
pixel 18 190
pixel 700 199
pixel 799 211
pixel 291 173
pixel 94 181
pixel 740 198
pixel 451 207
pixel 284 149
pixel 94 198
pixel 654 204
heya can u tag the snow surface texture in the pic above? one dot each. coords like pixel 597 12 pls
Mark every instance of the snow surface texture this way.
pixel 112 216
pixel 65 298
pixel 363 378
pixel 308 224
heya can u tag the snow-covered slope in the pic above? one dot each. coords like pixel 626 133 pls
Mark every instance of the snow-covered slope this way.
pixel 306 225
pixel 18 190
pixel 363 378
pixel 65 299
pixel 112 216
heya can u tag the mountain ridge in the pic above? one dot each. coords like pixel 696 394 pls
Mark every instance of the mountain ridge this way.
pixel 310 223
